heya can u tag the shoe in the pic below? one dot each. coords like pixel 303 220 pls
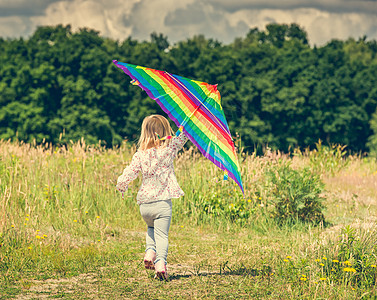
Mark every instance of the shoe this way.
pixel 149 258
pixel 161 272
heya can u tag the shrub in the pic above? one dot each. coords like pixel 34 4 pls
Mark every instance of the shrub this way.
pixel 232 208
pixel 295 195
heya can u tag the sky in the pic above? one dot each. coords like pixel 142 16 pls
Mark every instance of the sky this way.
pixel 223 20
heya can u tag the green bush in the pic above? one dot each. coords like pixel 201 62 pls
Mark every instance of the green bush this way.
pixel 232 208
pixel 295 195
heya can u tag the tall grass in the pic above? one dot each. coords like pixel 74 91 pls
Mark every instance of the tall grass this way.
pixel 61 214
pixel 56 185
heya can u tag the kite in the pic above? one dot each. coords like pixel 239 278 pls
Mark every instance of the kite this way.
pixel 195 107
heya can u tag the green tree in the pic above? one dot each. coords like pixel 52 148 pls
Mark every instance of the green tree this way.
pixel 372 140
pixel 275 88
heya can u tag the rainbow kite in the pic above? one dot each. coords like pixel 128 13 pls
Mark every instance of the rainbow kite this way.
pixel 195 107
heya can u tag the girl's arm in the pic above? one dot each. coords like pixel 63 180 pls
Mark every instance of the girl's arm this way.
pixel 177 142
pixel 129 174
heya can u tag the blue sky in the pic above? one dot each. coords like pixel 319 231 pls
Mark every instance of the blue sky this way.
pixel 223 20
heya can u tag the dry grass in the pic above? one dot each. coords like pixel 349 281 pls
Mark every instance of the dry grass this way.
pixel 91 240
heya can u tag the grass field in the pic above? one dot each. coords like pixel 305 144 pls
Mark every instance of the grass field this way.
pixel 65 232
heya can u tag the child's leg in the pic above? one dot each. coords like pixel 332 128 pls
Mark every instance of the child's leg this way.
pixel 149 239
pixel 146 213
pixel 161 230
pixel 150 251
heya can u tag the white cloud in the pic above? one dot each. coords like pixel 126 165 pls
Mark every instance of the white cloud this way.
pixel 200 18
pixel 118 19
pixel 149 16
pixel 321 26
pixel 98 15
pixel 220 19
pixel 14 26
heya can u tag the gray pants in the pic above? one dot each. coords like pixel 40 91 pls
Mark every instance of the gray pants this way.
pixel 157 215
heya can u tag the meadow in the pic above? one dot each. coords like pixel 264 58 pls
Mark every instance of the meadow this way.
pixel 306 228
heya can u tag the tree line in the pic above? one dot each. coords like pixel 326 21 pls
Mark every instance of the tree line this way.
pixel 276 89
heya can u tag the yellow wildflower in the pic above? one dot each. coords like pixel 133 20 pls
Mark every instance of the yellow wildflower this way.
pixel 373 266
pixel 98 217
pixel 318 260
pixel 322 278
pixel 289 257
pixel 303 278
pixel 322 265
pixel 75 221
pixel 335 260
pixel 324 258
pixel 37 237
pixel 347 263
pixel 349 270
pixel 286 260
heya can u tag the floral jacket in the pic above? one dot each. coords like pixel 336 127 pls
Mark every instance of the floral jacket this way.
pixel 156 166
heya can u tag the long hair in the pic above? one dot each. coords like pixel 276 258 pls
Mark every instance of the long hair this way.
pixel 152 125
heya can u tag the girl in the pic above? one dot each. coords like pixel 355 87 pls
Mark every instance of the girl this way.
pixel 154 159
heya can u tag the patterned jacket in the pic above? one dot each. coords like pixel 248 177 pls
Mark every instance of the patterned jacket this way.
pixel 156 166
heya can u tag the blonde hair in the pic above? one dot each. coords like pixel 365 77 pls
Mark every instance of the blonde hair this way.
pixel 152 125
